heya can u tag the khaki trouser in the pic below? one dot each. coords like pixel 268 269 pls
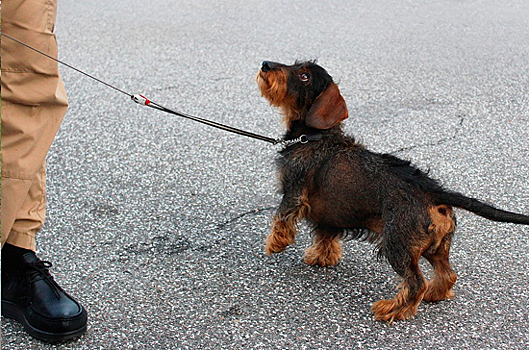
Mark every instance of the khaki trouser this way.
pixel 33 105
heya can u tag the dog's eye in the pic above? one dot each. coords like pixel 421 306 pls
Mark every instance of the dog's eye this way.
pixel 304 77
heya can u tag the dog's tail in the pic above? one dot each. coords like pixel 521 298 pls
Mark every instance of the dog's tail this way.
pixel 477 207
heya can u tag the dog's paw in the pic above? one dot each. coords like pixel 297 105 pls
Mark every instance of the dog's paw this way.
pixel 276 244
pixel 323 253
pixel 390 310
pixel 314 257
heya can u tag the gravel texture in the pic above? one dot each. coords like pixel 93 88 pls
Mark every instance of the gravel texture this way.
pixel 157 223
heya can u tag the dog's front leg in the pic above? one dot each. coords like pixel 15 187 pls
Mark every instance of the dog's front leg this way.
pixel 284 223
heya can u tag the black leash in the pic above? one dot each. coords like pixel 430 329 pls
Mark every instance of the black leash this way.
pixel 142 100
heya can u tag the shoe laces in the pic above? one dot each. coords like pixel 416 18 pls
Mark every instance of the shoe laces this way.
pixel 39 270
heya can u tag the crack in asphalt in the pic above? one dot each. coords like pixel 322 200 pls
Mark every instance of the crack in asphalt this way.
pixel 240 216
pixel 438 142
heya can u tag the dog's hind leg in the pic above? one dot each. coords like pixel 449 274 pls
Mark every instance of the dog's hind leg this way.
pixel 326 249
pixel 441 230
pixel 404 259
pixel 404 305
pixel 284 224
pixel 440 287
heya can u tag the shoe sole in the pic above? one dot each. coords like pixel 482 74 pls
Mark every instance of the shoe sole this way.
pixel 11 310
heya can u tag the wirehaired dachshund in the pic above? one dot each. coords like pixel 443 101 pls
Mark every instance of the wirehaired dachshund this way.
pixel 341 188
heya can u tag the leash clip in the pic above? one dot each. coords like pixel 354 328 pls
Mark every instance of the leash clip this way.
pixel 140 99
pixel 287 143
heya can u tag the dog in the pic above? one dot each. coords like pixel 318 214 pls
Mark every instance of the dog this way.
pixel 341 188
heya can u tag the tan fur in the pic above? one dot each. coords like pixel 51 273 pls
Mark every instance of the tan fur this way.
pixel 442 224
pixel 398 308
pixel 324 252
pixel 284 228
pixel 441 230
pixel 273 86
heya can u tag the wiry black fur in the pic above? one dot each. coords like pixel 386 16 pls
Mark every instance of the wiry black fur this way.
pixel 352 191
pixel 386 168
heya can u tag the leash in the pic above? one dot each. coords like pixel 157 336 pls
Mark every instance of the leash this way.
pixel 144 101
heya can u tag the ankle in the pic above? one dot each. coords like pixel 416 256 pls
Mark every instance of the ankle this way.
pixel 11 252
pixel 12 261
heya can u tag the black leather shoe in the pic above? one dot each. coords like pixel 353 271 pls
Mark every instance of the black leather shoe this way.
pixel 31 296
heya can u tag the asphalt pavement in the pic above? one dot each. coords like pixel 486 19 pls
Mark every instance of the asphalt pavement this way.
pixel 156 223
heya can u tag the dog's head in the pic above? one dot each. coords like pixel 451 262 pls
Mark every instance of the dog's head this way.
pixel 304 91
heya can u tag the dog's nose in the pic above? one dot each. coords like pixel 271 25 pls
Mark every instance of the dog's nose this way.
pixel 267 66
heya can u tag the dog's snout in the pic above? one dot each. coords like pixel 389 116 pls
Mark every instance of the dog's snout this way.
pixel 267 66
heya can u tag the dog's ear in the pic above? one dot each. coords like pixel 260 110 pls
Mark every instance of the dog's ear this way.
pixel 328 110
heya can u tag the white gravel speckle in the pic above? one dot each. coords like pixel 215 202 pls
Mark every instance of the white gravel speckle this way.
pixel 157 224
